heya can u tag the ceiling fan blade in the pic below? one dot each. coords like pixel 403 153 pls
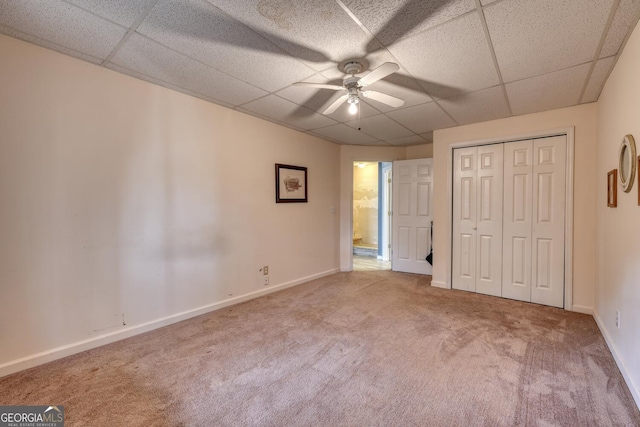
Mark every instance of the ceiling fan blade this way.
pixel 379 73
pixel 384 98
pixel 338 102
pixel 319 85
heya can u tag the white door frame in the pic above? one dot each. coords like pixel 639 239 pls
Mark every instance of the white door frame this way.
pixel 568 236
pixel 387 173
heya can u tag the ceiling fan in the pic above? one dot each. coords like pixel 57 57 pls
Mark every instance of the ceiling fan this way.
pixel 353 86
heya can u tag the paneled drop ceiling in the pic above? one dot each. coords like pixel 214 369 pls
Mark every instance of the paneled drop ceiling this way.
pixel 461 61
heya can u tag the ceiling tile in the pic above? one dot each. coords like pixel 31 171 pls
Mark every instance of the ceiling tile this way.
pixel 625 17
pixel 202 32
pixel 311 97
pixel 484 105
pixel 147 57
pixel 407 141
pixel 171 86
pixel 454 58
pixel 49 45
pixel 598 76
pixel 547 92
pixel 345 135
pixel 62 24
pixel 422 118
pixel 526 34
pixel 381 126
pixel 123 12
pixel 428 136
pixel 284 111
pixel 391 20
pixel 318 32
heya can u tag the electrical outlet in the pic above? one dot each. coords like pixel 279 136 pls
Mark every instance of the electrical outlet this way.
pixel 617 319
pixel 265 270
pixel 265 280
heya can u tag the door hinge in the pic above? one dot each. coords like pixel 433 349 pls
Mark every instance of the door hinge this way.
pixel 389 181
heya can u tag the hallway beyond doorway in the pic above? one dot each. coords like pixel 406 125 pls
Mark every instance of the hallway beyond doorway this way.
pixel 367 263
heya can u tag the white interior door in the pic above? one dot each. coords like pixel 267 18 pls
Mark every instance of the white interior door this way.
pixel 549 182
pixel 411 215
pixel 477 219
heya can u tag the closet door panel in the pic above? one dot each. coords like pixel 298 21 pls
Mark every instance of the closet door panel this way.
pixel 464 219
pixel 489 181
pixel 549 198
pixel 517 220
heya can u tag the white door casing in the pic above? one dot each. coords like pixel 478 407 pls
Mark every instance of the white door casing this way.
pixel 411 215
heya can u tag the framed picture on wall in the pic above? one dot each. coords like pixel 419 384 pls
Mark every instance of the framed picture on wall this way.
pixel 612 188
pixel 291 184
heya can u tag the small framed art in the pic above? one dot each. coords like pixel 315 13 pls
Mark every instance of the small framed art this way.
pixel 612 188
pixel 291 184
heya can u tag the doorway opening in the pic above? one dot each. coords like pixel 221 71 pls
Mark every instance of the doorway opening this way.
pixel 371 223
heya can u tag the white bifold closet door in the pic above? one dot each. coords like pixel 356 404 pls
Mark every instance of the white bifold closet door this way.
pixel 508 220
pixel 534 207
pixel 477 219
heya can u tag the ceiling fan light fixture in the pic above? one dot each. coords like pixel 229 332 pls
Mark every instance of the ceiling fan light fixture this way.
pixel 353 103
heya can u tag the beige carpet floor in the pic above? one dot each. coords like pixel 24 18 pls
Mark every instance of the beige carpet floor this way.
pixel 352 349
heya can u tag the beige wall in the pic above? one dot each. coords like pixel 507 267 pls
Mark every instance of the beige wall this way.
pixel 618 248
pixel 424 151
pixel 583 118
pixel 125 202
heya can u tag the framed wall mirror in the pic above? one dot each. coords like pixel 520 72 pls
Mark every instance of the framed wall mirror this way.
pixel 627 165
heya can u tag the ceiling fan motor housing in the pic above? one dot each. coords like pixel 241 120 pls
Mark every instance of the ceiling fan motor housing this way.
pixel 353 67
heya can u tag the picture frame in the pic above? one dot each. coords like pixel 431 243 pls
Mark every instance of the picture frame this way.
pixel 612 188
pixel 291 184
pixel 627 163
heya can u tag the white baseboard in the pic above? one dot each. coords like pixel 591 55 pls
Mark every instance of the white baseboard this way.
pixel 437 284
pixel 582 309
pixel 635 391
pixel 129 331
